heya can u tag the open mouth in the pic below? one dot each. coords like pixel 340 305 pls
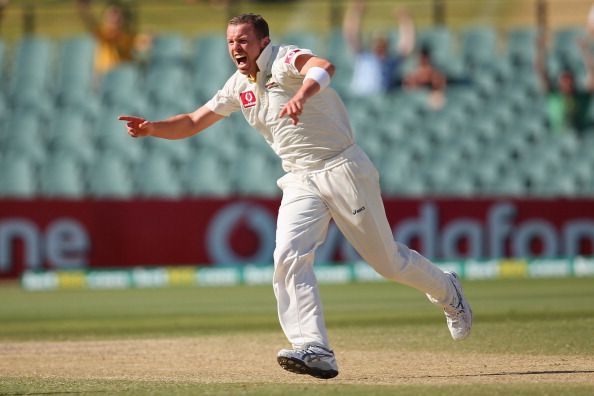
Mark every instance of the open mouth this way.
pixel 241 60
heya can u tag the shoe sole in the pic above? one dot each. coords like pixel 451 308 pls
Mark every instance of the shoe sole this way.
pixel 299 367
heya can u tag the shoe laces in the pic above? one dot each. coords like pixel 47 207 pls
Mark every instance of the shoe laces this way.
pixel 317 351
pixel 453 310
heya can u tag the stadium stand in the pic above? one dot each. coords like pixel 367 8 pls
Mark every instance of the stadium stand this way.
pixel 17 178
pixel 60 136
pixel 155 177
pixel 61 177
pixel 109 177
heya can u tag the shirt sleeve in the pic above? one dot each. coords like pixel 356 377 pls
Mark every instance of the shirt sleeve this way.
pixel 225 101
pixel 289 59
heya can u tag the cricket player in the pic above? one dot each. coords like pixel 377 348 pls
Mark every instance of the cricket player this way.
pixel 283 92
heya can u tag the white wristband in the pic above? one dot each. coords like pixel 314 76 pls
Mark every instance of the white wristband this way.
pixel 319 75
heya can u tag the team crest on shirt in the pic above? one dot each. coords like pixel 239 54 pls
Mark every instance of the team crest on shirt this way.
pixel 248 99
pixel 291 55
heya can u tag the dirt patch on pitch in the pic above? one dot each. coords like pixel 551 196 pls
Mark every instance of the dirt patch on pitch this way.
pixel 251 359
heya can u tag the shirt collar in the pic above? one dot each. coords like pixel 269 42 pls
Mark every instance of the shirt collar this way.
pixel 263 61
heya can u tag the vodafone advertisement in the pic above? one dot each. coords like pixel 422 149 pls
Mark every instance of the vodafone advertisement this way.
pixel 63 234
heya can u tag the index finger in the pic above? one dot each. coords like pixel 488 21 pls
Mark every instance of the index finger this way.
pixel 131 119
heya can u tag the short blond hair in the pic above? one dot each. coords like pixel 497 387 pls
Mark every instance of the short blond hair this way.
pixel 257 21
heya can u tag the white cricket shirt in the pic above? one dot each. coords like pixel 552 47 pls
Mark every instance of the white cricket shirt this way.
pixel 323 131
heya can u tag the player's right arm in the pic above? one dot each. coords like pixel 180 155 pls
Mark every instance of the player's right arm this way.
pixel 177 127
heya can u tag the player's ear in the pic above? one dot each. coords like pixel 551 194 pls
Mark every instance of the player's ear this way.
pixel 265 41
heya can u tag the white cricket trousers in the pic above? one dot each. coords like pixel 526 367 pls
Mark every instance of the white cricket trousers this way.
pixel 346 189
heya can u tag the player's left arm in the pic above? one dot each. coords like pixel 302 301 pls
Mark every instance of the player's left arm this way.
pixel 317 73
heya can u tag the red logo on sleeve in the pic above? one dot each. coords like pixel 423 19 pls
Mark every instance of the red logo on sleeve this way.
pixel 291 55
pixel 248 99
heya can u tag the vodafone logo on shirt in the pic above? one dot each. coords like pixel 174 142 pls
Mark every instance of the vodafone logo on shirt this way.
pixel 248 99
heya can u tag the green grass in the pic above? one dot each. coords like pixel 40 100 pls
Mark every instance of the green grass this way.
pixel 562 306
pixel 546 317
pixel 91 387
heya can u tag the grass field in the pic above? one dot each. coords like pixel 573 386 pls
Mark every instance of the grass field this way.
pixel 530 337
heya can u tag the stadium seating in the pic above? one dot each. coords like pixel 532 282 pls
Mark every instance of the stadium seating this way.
pixel 210 65
pixel 61 177
pixel 17 177
pixel 68 133
pixel 110 177
pixel 155 177
pixel 478 47
pixel 60 137
pixel 75 74
pixel 206 173
pixel 22 138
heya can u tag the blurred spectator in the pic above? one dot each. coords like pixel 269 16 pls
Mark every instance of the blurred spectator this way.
pixel 427 75
pixel 115 32
pixel 567 101
pixel 378 69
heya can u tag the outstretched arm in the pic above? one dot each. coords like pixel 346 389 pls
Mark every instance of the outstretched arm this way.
pixel 406 33
pixel 351 27
pixel 311 86
pixel 541 59
pixel 177 127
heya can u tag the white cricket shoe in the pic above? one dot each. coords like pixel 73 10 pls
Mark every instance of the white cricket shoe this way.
pixel 458 314
pixel 314 360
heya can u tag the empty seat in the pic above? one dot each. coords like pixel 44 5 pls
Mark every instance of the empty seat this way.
pixel 61 176
pixel 395 171
pixel 566 48
pixel 109 177
pixel 17 177
pixel 225 131
pixel 155 177
pixel 168 86
pixel 206 174
pixel 31 76
pixel 71 133
pixel 478 47
pixel 169 50
pixel 521 46
pixel 120 89
pixel 31 69
pixel 509 184
pixel 22 137
pixel 75 71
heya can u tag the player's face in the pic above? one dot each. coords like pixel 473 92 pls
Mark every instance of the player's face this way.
pixel 245 47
